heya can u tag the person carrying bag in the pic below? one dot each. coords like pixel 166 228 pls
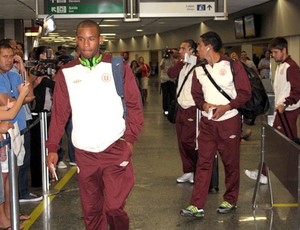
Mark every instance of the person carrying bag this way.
pixel 174 103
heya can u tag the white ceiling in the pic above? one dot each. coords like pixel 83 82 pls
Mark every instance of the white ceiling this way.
pixel 26 9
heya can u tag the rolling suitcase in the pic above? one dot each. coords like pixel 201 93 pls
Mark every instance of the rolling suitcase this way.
pixel 214 181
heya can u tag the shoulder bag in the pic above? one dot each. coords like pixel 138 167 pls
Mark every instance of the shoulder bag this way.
pixel 172 111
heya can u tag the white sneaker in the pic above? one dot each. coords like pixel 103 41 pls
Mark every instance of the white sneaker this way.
pixel 72 163
pixel 61 165
pixel 253 175
pixel 187 177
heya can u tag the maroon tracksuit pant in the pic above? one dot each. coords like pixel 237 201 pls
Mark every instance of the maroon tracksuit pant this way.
pixel 186 137
pixel 104 185
pixel 292 120
pixel 224 137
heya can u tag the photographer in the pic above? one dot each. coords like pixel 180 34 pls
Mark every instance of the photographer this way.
pixel 42 76
pixel 168 87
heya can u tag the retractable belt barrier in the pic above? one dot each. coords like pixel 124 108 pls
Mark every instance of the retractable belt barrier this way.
pixel 282 156
pixel 13 172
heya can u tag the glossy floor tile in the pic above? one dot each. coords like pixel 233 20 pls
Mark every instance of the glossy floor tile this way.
pixel 156 199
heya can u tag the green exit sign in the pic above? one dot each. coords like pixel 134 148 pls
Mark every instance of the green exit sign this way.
pixel 84 7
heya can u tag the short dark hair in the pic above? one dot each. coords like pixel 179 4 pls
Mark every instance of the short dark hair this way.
pixel 213 39
pixel 21 44
pixel 278 43
pixel 40 50
pixel 5 41
pixel 192 44
pixel 88 23
pixel 4 45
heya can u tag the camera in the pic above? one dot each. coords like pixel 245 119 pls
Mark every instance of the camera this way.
pixel 30 64
pixel 167 53
pixel 44 66
pixel 64 58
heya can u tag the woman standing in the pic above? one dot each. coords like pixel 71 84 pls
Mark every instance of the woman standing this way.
pixel 145 69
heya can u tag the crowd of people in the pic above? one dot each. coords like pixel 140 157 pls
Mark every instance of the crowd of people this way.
pixel 26 89
pixel 142 72
pixel 207 123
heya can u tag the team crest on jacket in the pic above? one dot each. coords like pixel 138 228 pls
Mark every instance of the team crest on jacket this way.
pixel 222 72
pixel 106 77
pixel 77 81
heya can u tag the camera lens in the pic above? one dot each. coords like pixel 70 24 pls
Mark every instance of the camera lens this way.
pixel 48 54
pixel 49 71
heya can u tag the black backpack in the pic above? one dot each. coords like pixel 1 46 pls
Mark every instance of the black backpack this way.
pixel 259 102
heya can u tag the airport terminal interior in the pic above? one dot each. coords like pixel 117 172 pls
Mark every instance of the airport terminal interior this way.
pixel 156 199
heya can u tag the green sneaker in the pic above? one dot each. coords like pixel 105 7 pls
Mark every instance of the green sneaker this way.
pixel 192 210
pixel 226 207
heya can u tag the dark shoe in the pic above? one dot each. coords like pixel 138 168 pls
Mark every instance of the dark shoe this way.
pixel 213 190
pixel 193 211
pixel 247 135
pixel 226 207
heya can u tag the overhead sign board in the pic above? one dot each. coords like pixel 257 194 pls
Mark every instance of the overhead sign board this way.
pixel 115 8
pixel 152 8
pixel 84 7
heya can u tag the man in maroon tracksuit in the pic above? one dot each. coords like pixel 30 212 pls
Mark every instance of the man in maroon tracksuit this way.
pixel 103 139
pixel 186 118
pixel 220 125
pixel 287 96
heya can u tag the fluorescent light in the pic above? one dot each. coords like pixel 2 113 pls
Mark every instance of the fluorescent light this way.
pixel 111 20
pixel 31 31
pixel 53 35
pixel 31 34
pixel 220 18
pixel 108 34
pixel 108 25
pixel 139 30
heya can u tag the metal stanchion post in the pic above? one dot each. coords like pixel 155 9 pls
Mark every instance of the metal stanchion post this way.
pixel 45 172
pixel 262 151
pixel 13 188
pixel 44 152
